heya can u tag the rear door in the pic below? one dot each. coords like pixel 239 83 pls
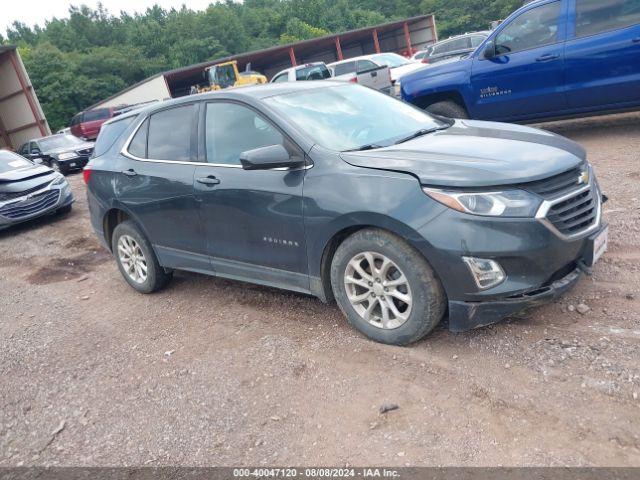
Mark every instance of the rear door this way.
pixel 156 186
pixel 526 77
pixel 252 219
pixel 603 53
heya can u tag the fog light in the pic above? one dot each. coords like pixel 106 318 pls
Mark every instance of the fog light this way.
pixel 486 273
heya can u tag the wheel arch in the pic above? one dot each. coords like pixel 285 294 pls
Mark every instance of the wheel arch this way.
pixel 320 265
pixel 114 216
pixel 448 95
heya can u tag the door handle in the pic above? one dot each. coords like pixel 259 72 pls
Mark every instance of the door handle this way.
pixel 548 57
pixel 130 173
pixel 209 180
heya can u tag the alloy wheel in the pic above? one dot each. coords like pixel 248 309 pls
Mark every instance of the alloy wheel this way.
pixel 378 290
pixel 132 259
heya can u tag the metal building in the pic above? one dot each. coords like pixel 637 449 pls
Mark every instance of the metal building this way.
pixel 21 117
pixel 402 36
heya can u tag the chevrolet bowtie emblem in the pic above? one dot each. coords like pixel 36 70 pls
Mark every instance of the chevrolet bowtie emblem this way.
pixel 583 178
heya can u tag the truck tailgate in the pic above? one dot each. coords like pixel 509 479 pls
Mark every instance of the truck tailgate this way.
pixel 378 78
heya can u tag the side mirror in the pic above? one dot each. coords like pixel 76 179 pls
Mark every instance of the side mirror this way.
pixel 266 158
pixel 489 50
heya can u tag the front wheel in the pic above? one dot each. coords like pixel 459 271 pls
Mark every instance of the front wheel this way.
pixel 386 289
pixel 136 259
pixel 448 108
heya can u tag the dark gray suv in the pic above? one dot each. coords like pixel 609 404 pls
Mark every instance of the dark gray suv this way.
pixel 344 193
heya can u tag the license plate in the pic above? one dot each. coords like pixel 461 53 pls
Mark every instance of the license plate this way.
pixel 600 243
pixel 73 164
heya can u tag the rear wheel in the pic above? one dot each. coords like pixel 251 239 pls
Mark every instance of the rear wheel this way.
pixel 136 259
pixel 448 108
pixel 386 288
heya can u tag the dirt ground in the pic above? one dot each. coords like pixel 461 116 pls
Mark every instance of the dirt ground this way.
pixel 214 372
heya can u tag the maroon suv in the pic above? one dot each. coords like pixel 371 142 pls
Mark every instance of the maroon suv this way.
pixel 87 124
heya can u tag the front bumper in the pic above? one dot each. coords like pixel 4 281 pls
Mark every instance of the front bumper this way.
pixel 43 202
pixel 465 316
pixel 77 163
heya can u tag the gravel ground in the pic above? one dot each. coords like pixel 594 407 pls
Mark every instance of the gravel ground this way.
pixel 214 372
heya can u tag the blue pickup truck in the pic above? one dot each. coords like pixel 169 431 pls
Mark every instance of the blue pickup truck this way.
pixel 549 59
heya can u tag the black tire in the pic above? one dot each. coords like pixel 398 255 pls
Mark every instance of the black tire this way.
pixel 65 210
pixel 428 296
pixel 157 277
pixel 449 109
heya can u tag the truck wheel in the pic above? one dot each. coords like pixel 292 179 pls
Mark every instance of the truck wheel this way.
pixel 386 288
pixel 448 108
pixel 136 259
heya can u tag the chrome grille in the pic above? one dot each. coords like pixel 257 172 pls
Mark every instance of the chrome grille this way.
pixel 31 206
pixel 4 196
pixel 575 214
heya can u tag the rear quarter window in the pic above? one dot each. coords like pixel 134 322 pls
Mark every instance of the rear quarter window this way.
pixel 109 133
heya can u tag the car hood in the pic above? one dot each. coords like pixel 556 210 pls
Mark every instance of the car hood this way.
pixel 24 173
pixel 476 154
pixel 397 72
pixel 74 148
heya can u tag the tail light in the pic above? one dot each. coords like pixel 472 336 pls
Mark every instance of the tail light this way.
pixel 354 80
pixel 425 60
pixel 86 174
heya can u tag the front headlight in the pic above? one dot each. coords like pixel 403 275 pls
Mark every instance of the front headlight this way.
pixel 506 203
pixel 59 180
pixel 66 156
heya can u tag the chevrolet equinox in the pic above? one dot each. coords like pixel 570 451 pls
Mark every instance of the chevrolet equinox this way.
pixel 342 192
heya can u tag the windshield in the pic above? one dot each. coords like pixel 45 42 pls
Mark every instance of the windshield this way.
pixel 59 141
pixel 349 117
pixel 224 75
pixel 10 161
pixel 313 72
pixel 391 60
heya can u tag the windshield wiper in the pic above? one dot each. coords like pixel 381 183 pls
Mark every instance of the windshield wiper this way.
pixel 368 146
pixel 420 133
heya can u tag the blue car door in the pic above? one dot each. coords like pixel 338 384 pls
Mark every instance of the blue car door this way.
pixel 603 54
pixel 525 77
pixel 252 219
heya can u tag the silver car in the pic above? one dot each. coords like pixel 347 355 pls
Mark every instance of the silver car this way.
pixel 29 190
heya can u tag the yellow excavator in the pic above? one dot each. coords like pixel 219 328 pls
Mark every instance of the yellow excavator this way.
pixel 225 75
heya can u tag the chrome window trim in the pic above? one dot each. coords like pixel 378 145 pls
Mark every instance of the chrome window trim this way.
pixel 543 210
pixel 125 152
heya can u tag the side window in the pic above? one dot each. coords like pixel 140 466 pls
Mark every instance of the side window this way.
pixel 458 44
pixel 138 145
pixel 440 48
pixel 170 133
pixel 109 133
pixel 366 65
pixel 232 129
pixel 33 146
pixel 596 16
pixel 532 29
pixel 345 68
pixel 283 77
pixel 476 41
pixel 24 149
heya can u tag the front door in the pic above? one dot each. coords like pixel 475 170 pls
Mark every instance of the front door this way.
pixel 603 54
pixel 525 78
pixel 252 218
pixel 155 183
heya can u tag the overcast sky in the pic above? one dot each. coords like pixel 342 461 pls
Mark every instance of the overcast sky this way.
pixel 34 12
